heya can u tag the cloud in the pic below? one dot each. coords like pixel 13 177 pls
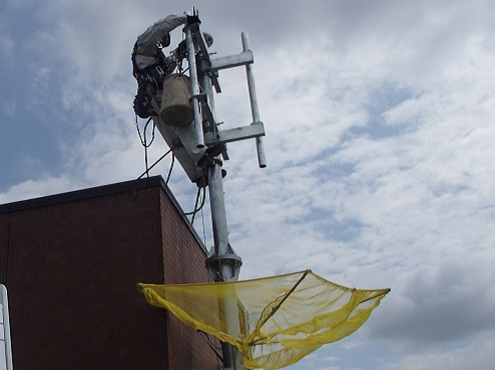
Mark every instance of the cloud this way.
pixel 379 138
pixel 409 178
pixel 476 356
pixel 446 302
pixel 45 185
pixel 96 38
pixel 6 45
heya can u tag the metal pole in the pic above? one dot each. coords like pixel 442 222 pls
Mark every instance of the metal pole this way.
pixel 254 103
pixel 218 214
pixel 6 328
pixel 198 125
pixel 224 262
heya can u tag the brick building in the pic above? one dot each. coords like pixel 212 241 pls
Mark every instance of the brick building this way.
pixel 71 263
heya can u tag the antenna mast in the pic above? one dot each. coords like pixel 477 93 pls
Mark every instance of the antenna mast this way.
pixel 223 262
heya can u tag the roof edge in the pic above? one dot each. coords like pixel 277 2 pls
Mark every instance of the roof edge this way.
pixel 92 192
pixel 99 191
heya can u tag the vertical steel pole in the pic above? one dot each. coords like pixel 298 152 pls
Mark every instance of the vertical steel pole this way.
pixel 223 262
pixel 6 328
pixel 254 102
pixel 223 267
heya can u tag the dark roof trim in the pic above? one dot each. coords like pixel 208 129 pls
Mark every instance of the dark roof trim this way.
pixel 99 191
pixel 83 194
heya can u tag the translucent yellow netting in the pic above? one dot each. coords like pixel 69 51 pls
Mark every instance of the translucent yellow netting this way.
pixel 282 318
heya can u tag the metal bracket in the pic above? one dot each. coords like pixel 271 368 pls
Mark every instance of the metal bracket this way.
pixel 215 263
pixel 254 130
pixel 231 61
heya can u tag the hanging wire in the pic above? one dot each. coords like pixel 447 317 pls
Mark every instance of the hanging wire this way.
pixel 196 209
pixel 170 169
pixel 203 225
pixel 144 142
pixel 154 164
pixel 212 346
pixel 195 205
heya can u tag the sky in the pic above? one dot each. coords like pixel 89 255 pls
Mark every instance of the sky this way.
pixel 379 120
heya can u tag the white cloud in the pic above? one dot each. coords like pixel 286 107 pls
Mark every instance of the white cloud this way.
pixel 95 37
pixel 46 185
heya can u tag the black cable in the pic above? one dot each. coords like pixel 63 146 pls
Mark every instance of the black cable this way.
pixel 144 142
pixel 202 205
pixel 211 345
pixel 196 210
pixel 170 169
pixel 195 206
pixel 147 170
pixel 154 164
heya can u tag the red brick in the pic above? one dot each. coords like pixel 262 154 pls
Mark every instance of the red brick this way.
pixel 71 263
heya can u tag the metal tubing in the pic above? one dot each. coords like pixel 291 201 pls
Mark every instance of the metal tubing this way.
pixel 6 328
pixel 235 134
pixel 254 102
pixel 206 84
pixel 198 124
pixel 227 269
pixel 231 61
pixel 218 214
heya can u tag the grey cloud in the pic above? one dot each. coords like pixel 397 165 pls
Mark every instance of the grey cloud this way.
pixel 479 356
pixel 440 303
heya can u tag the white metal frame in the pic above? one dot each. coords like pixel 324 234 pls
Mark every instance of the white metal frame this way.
pixel 6 328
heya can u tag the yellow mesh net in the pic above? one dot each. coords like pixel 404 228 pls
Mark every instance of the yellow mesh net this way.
pixel 273 321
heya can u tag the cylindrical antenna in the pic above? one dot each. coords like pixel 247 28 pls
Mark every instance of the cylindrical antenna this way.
pixel 198 124
pixel 254 103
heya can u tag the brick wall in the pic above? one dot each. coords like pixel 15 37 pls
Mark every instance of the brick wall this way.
pixel 183 270
pixel 71 263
